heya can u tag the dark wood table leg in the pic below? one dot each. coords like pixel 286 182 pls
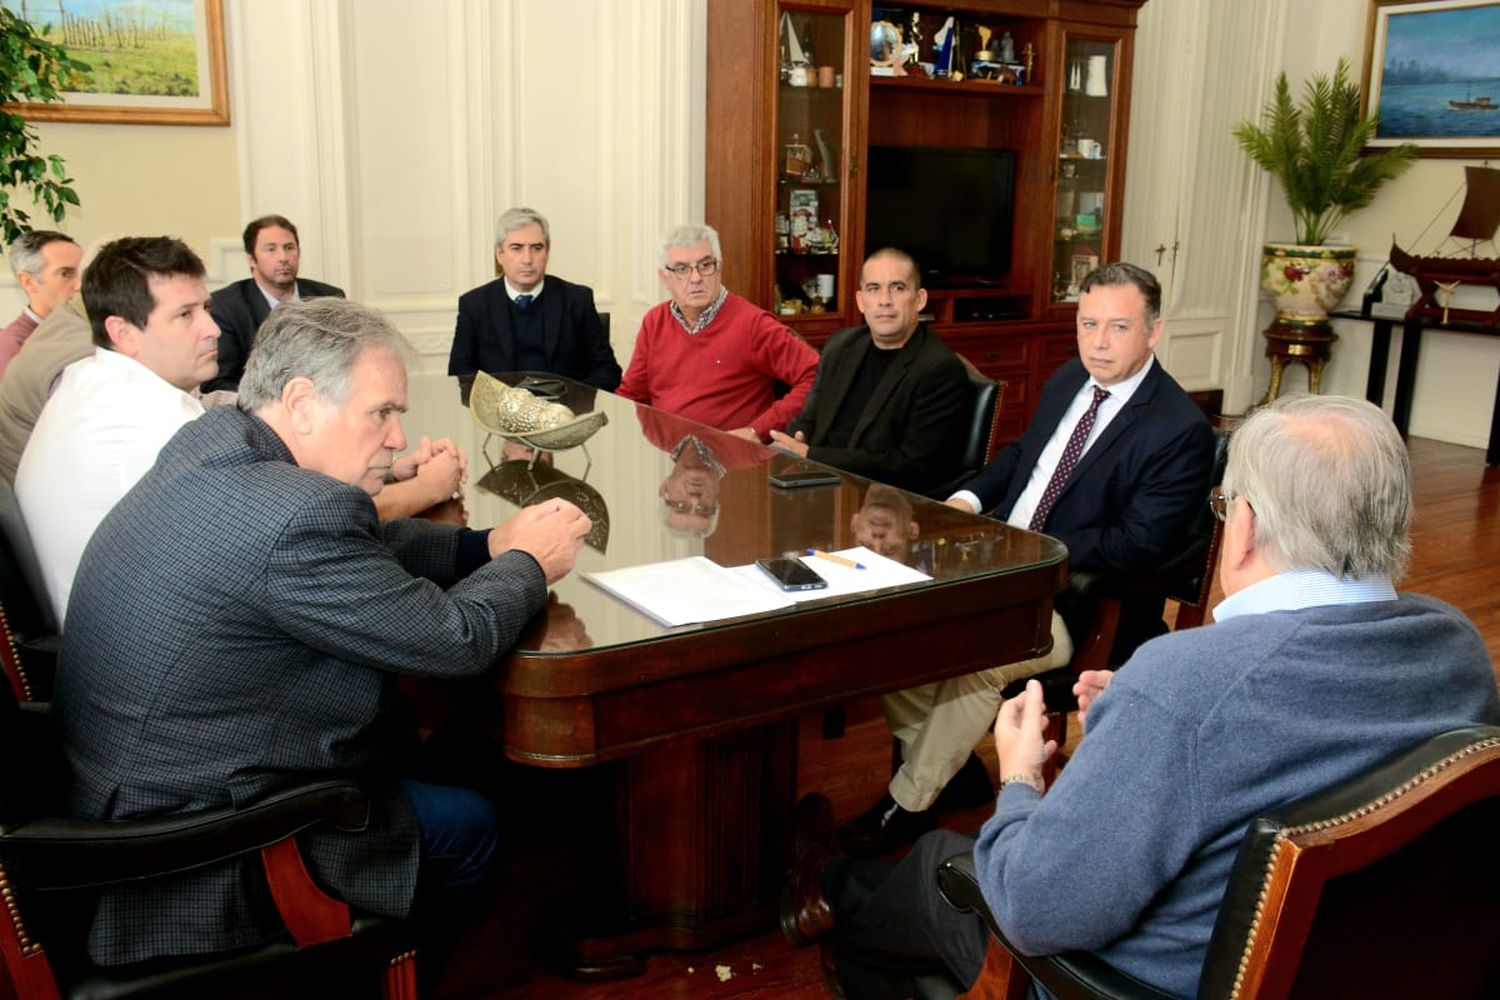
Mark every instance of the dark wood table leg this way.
pixel 1406 373
pixel 1380 353
pixel 703 833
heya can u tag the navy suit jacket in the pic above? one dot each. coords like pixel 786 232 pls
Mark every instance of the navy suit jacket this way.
pixel 910 431
pixel 576 342
pixel 240 309
pixel 1129 503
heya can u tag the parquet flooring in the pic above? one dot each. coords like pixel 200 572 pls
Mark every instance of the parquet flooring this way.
pixel 1456 557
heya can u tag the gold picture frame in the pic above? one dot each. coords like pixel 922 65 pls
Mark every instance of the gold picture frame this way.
pixel 174 25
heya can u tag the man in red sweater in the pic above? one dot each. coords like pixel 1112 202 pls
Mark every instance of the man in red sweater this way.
pixel 709 355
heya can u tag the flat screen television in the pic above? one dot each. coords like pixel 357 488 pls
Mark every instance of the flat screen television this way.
pixel 950 208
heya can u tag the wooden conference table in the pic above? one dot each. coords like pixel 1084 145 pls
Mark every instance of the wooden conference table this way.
pixel 703 718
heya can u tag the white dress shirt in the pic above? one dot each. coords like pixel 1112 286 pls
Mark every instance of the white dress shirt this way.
pixel 96 437
pixel 1046 462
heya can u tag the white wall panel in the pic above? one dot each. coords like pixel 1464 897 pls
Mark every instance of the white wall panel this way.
pixel 394 149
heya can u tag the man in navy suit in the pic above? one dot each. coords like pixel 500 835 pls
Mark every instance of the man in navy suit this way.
pixel 1115 464
pixel 274 254
pixel 527 320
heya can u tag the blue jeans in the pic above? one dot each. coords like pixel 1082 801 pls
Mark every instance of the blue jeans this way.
pixel 459 831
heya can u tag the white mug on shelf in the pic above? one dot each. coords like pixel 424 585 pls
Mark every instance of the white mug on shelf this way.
pixel 1089 149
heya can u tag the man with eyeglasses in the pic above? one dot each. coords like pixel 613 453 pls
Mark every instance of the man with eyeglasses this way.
pixel 1315 670
pixel 1114 465
pixel 710 355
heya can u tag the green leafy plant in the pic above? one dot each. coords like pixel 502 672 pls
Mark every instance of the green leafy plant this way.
pixel 1314 148
pixel 33 70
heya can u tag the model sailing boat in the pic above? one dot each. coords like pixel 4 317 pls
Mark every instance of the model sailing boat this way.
pixel 1438 276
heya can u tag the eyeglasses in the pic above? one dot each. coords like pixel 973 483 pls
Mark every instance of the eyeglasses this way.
pixel 688 507
pixel 707 267
pixel 1219 501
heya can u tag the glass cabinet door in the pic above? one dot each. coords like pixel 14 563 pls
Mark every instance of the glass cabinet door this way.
pixel 811 164
pixel 1084 217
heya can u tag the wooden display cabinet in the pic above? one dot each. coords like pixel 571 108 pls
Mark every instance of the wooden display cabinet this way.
pixel 1066 125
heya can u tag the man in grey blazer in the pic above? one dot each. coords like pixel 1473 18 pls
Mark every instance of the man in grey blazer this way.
pixel 239 621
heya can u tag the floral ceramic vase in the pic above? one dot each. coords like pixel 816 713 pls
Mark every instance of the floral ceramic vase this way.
pixel 1306 281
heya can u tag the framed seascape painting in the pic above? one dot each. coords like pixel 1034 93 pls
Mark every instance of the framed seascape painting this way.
pixel 151 62
pixel 1432 73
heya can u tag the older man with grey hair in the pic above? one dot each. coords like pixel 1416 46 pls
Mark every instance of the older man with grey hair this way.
pixel 240 620
pixel 711 356
pixel 45 264
pixel 1315 671
pixel 527 320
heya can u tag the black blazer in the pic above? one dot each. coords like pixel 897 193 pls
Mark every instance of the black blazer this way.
pixel 577 343
pixel 910 433
pixel 240 309
pixel 1128 505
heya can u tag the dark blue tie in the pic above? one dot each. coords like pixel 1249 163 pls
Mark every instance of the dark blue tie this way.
pixel 523 302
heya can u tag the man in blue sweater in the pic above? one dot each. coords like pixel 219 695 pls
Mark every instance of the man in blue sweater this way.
pixel 1315 671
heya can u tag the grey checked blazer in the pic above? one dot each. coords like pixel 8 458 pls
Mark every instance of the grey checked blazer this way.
pixel 238 624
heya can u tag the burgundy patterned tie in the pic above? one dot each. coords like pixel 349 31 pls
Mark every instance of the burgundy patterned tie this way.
pixel 1069 460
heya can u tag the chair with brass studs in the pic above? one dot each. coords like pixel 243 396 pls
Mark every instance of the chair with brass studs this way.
pixel 1380 886
pixel 51 867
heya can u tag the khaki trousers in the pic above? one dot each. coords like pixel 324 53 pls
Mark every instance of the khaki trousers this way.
pixel 940 724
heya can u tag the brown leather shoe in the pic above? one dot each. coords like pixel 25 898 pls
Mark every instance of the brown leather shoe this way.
pixel 805 913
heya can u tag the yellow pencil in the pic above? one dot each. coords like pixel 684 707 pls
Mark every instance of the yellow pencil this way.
pixel 833 558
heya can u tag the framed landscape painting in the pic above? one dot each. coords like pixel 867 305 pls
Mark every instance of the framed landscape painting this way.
pixel 1432 73
pixel 152 62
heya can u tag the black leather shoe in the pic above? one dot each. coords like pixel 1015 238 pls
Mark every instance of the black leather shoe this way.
pixel 970 788
pixel 883 828
pixel 805 912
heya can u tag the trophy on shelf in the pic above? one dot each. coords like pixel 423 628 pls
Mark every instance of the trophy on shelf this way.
pixel 911 49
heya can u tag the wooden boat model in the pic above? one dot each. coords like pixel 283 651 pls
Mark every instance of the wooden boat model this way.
pixel 1438 276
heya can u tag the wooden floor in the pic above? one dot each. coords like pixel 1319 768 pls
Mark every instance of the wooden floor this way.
pixel 1456 557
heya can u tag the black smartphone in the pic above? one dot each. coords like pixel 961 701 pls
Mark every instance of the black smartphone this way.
pixel 792 478
pixel 791 574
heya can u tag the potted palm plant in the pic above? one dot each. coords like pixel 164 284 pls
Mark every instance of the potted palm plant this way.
pixel 32 69
pixel 1315 149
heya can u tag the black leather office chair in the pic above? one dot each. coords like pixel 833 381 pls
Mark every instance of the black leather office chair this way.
pixel 30 657
pixel 981 436
pixel 50 868
pixel 1382 886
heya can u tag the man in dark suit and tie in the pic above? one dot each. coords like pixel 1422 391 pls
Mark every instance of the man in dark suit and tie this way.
pixel 239 622
pixel 274 253
pixel 890 398
pixel 1114 464
pixel 527 320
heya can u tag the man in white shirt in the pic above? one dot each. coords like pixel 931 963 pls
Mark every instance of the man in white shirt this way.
pixel 154 342
pixel 1114 465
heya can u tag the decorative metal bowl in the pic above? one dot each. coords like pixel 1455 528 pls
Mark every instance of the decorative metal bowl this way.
pixel 517 415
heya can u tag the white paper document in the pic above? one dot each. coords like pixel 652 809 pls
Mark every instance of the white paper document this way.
pixel 686 591
pixel 878 572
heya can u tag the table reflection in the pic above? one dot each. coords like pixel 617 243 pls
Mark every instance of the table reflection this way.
pixel 660 487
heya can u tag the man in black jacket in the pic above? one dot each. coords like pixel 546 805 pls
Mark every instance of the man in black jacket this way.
pixel 274 253
pixel 528 320
pixel 890 398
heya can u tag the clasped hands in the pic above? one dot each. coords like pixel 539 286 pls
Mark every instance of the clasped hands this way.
pixel 439 465
pixel 1020 727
